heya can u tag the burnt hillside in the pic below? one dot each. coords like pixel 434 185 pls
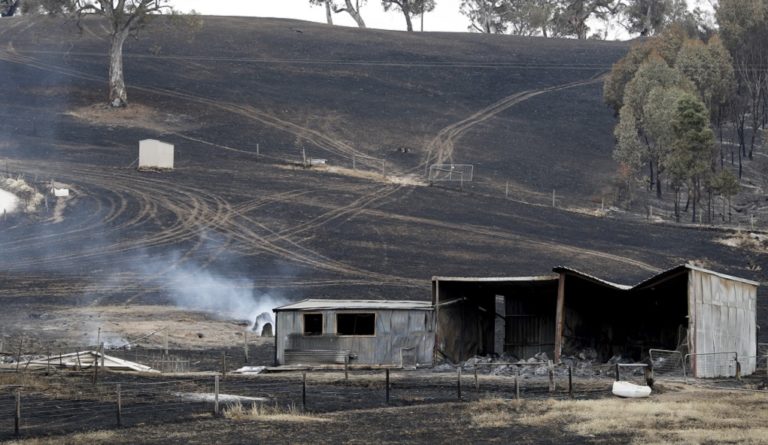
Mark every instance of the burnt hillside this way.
pixel 527 111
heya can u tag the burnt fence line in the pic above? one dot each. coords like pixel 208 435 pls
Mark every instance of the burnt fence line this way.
pixel 51 407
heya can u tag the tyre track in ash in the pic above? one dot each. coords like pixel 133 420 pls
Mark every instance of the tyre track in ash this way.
pixel 440 148
pixel 336 147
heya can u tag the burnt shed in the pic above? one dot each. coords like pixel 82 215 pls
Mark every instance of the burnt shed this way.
pixel 365 332
pixel 687 308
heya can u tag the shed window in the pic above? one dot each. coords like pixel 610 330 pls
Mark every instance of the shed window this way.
pixel 355 324
pixel 313 324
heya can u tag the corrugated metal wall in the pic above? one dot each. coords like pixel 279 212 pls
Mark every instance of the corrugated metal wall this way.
pixel 723 318
pixel 395 330
pixel 530 325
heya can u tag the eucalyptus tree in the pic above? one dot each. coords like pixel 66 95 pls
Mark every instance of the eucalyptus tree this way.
pixel 409 8
pixel 124 18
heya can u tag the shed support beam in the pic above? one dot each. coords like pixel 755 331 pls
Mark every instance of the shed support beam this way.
pixel 559 318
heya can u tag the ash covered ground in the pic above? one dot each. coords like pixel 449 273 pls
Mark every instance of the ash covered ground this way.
pixel 232 232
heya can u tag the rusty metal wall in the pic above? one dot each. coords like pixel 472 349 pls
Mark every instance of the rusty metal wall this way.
pixel 395 330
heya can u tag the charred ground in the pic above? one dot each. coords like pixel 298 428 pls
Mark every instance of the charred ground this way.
pixel 523 110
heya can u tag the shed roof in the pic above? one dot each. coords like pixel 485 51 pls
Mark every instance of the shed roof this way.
pixel 497 279
pixel 318 304
pixel 654 280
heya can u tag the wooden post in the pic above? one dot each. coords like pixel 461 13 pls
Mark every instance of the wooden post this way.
pixel 570 382
pixel 18 356
pixel 617 372
pixel 216 396
pixel 517 384
pixel 648 374
pixel 346 368
pixel 304 391
pixel 17 413
pixel 738 370
pixel 458 382
pixel 98 338
pixel 477 383
pixel 119 407
pixel 102 356
pixel 257 151
pixel 165 343
pixel 551 372
pixel 48 364
pixel 387 383
pixel 559 317
pixel 245 344
pixel 506 191
pixel 96 369
pixel 304 157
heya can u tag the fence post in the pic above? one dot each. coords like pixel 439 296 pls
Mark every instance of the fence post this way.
pixel 648 376
pixel 506 191
pixel 551 372
pixel 119 407
pixel 216 396
pixel 477 382
pixel 554 204
pixel 346 368
pixel 458 382
pixel 570 382
pixel 245 344
pixel 617 372
pixel 304 391
pixel 517 384
pixel 96 369
pixel 257 151
pixel 17 413
pixel 387 383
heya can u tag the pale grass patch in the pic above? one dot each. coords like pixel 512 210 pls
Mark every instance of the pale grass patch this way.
pixel 690 417
pixel 499 413
pixel 258 411
pixel 90 437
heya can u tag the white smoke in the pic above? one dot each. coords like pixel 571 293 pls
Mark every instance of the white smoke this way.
pixel 202 290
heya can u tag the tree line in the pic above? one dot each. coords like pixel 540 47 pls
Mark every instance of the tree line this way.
pixel 680 94
pixel 547 18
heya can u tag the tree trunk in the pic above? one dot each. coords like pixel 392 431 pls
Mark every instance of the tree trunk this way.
pixel 328 16
pixel 355 13
pixel 118 97
pixel 650 171
pixel 409 25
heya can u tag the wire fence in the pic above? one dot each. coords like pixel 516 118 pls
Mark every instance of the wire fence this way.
pixel 61 402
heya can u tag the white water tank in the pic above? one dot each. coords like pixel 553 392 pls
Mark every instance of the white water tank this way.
pixel 155 154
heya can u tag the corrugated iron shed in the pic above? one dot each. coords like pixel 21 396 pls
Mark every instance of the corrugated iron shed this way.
pixel 319 305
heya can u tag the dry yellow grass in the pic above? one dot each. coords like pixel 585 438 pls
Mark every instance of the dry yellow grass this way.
pixel 93 437
pixel 259 411
pixel 689 416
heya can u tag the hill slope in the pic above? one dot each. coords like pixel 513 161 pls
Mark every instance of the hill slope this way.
pixel 527 111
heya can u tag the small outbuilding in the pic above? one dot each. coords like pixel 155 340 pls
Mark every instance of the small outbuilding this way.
pixel 687 308
pixel 362 332
pixel 154 154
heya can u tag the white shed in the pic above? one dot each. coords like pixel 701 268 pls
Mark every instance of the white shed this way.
pixel 155 154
